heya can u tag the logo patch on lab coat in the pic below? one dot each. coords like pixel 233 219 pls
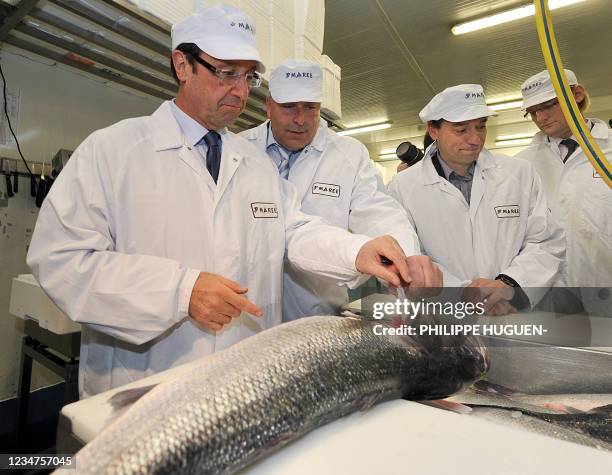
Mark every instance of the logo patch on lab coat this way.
pixel 326 189
pixel 264 210
pixel 595 174
pixel 508 211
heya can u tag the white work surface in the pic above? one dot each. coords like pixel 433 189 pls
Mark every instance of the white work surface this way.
pixel 29 301
pixel 408 437
pixel 394 437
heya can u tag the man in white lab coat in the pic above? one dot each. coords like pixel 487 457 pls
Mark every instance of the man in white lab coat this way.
pixel 482 217
pixel 335 179
pixel 579 199
pixel 159 227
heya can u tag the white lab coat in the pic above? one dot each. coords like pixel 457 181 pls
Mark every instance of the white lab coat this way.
pixel 506 229
pixel 336 180
pixel 582 203
pixel 132 220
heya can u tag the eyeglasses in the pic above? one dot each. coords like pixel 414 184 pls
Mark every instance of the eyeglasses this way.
pixel 544 107
pixel 231 78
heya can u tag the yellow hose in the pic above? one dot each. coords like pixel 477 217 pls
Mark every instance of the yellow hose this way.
pixel 572 114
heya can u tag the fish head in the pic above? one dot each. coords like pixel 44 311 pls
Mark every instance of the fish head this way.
pixel 475 359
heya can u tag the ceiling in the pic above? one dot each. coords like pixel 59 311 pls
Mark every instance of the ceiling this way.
pixel 396 54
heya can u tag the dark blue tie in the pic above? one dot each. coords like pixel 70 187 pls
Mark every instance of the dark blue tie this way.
pixel 213 154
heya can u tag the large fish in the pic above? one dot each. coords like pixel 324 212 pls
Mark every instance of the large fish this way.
pixel 256 396
pixel 544 414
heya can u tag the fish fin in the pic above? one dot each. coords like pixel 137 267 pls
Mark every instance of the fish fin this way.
pixel 123 399
pixel 370 400
pixel 448 406
pixel 484 386
pixel 533 411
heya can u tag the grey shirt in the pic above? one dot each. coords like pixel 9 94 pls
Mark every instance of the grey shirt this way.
pixel 462 183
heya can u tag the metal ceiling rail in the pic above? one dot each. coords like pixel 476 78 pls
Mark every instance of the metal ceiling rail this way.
pixel 44 31
pixel 91 14
pixel 24 8
pixel 102 73
pixel 97 57
pixel 98 39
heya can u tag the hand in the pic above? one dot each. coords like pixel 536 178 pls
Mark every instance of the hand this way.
pixel 215 300
pixel 503 307
pixel 495 295
pixel 370 261
pixel 427 278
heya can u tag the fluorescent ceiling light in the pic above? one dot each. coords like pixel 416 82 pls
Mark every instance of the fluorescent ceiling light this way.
pixel 507 16
pixel 366 128
pixel 512 143
pixel 388 156
pixel 527 135
pixel 504 106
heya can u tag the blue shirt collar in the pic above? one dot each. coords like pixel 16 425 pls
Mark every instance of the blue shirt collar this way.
pixel 192 130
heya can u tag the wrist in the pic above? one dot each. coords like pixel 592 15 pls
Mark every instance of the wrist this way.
pixel 185 291
pixel 506 279
pixel 520 299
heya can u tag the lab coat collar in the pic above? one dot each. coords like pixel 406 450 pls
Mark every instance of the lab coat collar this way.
pixel 230 161
pixel 431 176
pixel 485 161
pixel 166 132
pixel 192 130
pixel 319 141
pixel 600 130
pixel 259 133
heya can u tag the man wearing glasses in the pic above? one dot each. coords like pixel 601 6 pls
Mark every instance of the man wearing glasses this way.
pixel 159 226
pixel 578 197
pixel 335 179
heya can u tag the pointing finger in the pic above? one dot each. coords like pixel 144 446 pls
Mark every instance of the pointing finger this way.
pixel 243 304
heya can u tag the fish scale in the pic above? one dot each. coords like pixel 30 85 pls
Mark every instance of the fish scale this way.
pixel 247 401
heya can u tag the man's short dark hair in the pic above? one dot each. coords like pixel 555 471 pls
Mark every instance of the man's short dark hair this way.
pixel 427 140
pixel 190 50
pixel 436 124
